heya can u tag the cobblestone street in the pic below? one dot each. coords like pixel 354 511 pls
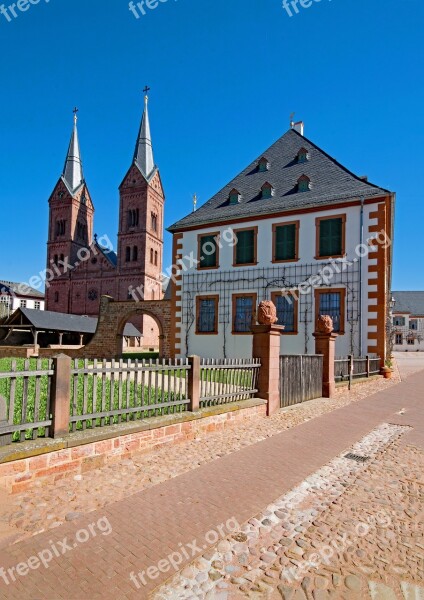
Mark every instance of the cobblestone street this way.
pixel 48 505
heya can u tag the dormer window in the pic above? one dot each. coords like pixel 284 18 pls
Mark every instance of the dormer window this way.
pixel 263 165
pixel 303 155
pixel 235 196
pixel 267 191
pixel 303 184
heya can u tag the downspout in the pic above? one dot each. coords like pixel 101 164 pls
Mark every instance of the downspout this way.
pixel 361 302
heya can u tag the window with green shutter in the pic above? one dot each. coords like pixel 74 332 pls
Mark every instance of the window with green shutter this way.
pixel 208 252
pixel 285 242
pixel 331 237
pixel 245 249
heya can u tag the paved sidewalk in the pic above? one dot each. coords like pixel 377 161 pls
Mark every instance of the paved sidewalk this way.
pixel 150 525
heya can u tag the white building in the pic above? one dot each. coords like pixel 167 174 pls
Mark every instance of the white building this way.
pixel 18 295
pixel 408 321
pixel 298 216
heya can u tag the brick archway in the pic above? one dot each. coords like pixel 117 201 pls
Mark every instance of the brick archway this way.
pixel 108 339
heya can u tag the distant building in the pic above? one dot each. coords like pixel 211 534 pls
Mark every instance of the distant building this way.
pixel 408 321
pixel 84 269
pixel 18 295
pixel 283 230
pixel 29 327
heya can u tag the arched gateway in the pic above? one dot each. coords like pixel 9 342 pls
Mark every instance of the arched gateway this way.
pixel 108 339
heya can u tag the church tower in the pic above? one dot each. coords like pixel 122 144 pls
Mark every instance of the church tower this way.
pixel 70 227
pixel 141 210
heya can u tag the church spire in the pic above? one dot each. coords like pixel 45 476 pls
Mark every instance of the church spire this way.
pixel 143 156
pixel 72 171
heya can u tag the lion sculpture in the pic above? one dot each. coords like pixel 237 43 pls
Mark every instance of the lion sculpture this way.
pixel 267 313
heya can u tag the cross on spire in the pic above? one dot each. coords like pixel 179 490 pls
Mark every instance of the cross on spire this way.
pixel 75 111
pixel 146 90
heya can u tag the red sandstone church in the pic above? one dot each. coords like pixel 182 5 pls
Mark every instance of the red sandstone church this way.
pixel 84 268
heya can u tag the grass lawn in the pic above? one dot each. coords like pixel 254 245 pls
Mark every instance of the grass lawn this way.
pixel 128 395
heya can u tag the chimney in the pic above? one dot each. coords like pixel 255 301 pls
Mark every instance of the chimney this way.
pixel 299 127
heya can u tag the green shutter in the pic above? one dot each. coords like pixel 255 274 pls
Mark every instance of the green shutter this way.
pixel 245 249
pixel 208 260
pixel 331 237
pixel 285 242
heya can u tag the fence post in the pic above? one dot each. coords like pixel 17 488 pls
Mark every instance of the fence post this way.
pixel 368 365
pixel 60 395
pixel 266 347
pixel 193 383
pixel 325 344
pixel 351 366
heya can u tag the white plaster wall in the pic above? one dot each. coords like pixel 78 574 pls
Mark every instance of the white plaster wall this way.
pixel 241 345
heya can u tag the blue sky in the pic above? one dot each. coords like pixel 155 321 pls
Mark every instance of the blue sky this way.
pixel 225 76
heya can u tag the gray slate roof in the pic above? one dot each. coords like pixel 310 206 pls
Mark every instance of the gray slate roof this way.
pixel 409 302
pixel 331 184
pixel 109 254
pixel 20 289
pixel 54 321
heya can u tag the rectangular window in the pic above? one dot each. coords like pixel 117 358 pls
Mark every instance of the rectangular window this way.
pixel 413 324
pixel 399 321
pixel 37 305
pixel 245 250
pixel 330 236
pixel 411 342
pixel 23 303
pixel 207 314
pixel 286 307
pixel 244 307
pixel 208 251
pixel 399 339
pixel 331 303
pixel 285 242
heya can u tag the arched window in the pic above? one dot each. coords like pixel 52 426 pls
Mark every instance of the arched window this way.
pixel 156 258
pixel 303 184
pixel 56 296
pixel 56 259
pixel 263 165
pixel 154 219
pixel 127 254
pixel 267 190
pixel 135 253
pixel 62 258
pixel 302 155
pixel 235 196
pixel 151 255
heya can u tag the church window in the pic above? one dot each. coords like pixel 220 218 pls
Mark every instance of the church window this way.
pixel 56 259
pixel 156 258
pixel 135 253
pixel 128 254
pixel 60 227
pixel 56 296
pixel 154 222
pixel 152 254
pixel 133 217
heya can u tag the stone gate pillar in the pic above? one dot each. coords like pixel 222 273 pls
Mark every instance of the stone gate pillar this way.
pixel 266 347
pixel 325 344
